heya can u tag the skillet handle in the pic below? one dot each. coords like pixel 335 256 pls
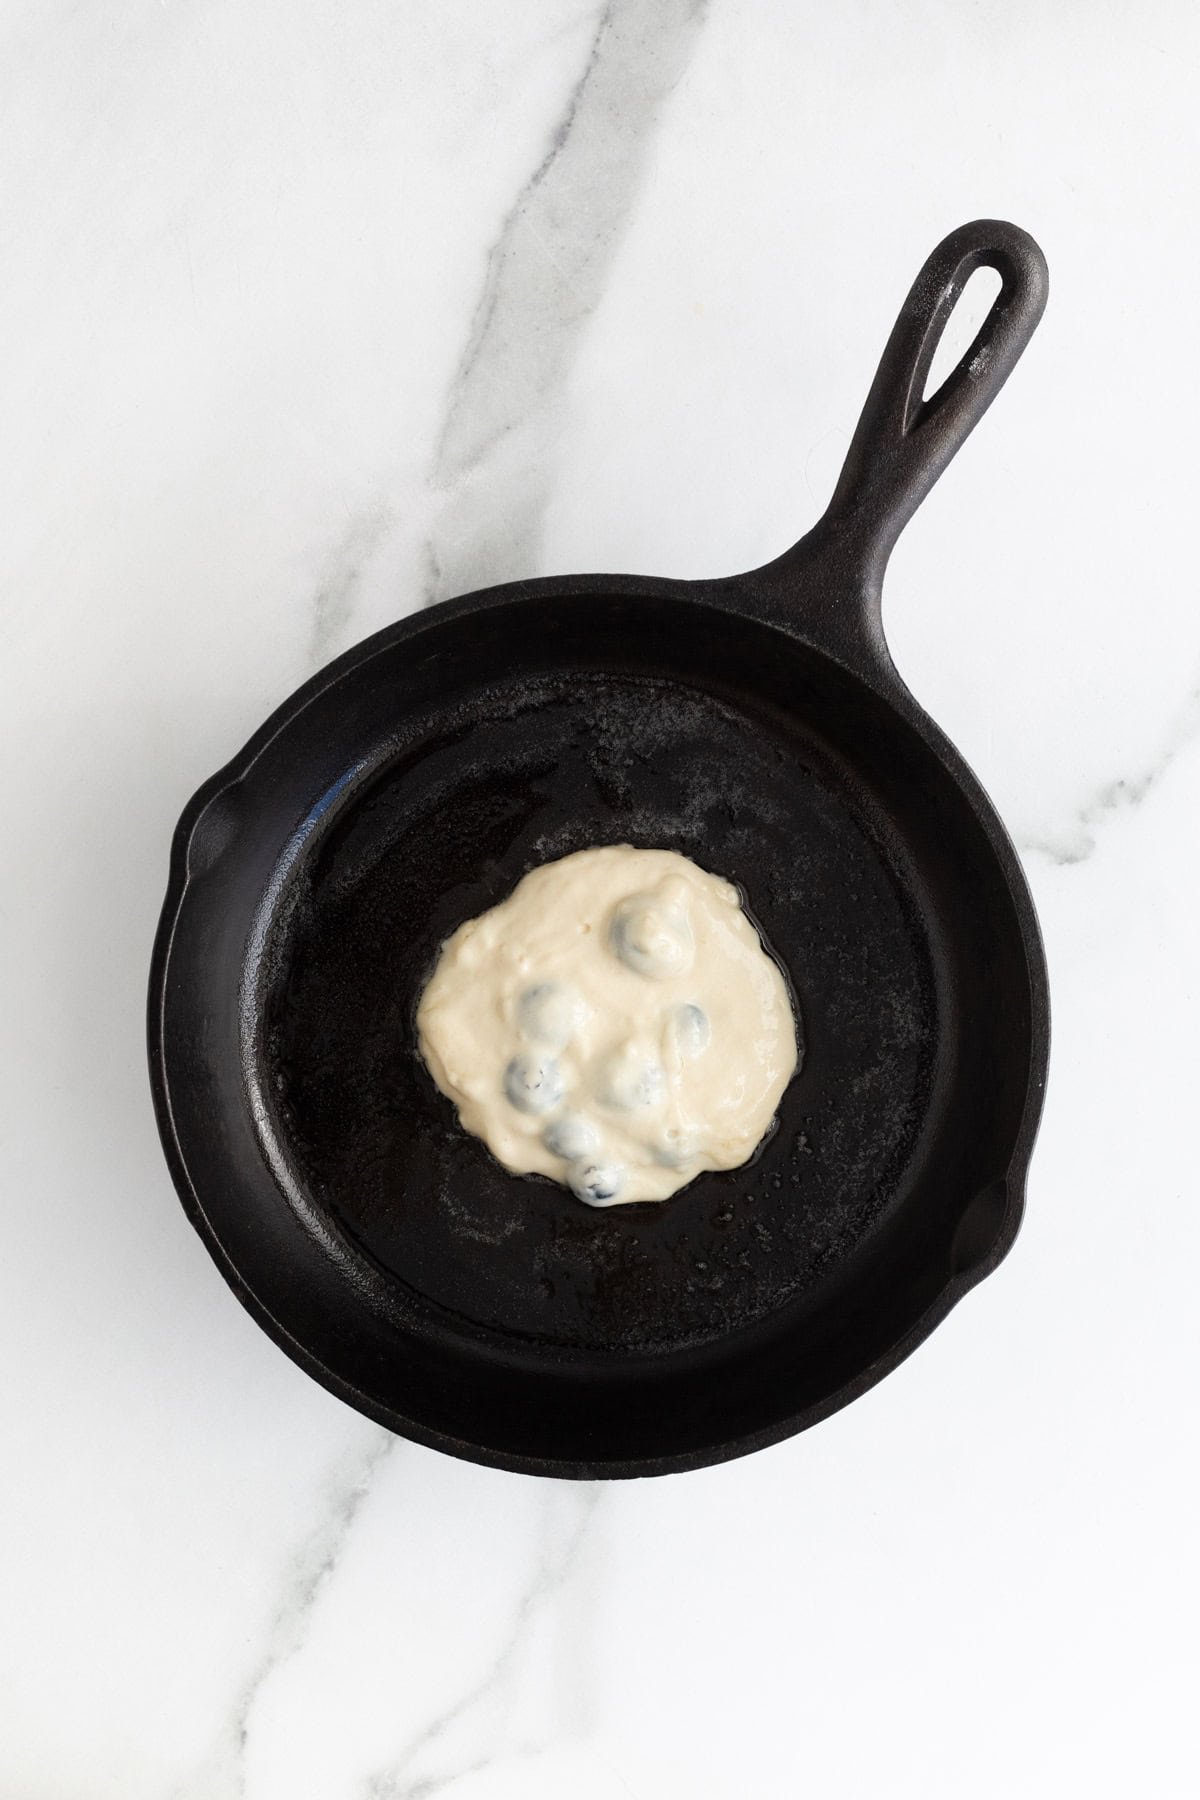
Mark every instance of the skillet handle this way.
pixel 903 442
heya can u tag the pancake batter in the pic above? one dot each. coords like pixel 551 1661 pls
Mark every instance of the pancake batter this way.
pixel 615 1024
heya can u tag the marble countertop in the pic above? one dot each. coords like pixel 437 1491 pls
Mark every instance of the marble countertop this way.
pixel 314 314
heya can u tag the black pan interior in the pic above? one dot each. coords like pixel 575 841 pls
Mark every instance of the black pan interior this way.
pixel 515 735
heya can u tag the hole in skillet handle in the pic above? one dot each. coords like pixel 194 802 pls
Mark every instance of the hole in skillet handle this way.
pixel 961 331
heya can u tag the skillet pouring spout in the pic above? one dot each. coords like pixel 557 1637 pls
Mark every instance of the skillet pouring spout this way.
pixel 755 724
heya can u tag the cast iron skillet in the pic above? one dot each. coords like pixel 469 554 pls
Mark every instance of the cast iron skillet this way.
pixel 757 725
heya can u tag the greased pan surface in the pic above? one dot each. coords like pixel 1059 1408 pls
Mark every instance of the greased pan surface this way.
pixel 757 725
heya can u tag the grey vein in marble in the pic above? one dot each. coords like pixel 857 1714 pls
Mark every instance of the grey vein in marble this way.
pixel 311 1569
pixel 545 275
pixel 333 602
pixel 556 1565
pixel 1122 794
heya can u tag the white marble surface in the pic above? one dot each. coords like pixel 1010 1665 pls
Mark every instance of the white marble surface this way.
pixel 312 313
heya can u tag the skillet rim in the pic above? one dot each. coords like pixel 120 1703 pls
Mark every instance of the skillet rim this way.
pixel 864 656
